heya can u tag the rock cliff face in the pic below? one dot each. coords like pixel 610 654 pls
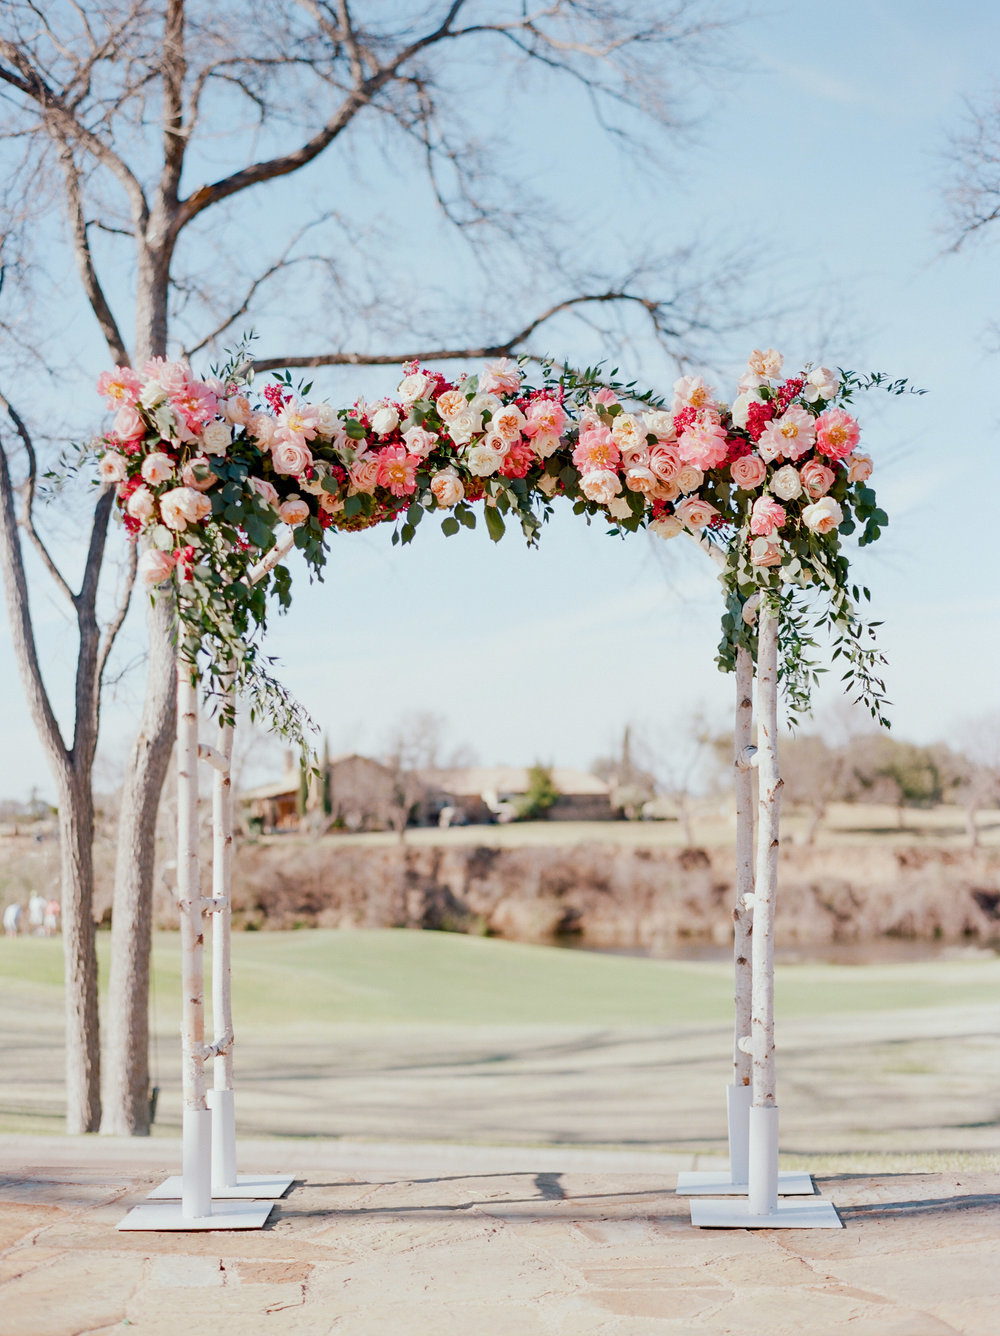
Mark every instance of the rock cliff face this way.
pixel 615 897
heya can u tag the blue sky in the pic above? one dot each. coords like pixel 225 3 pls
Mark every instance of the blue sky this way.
pixel 827 157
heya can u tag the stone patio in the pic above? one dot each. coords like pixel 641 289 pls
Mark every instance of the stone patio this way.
pixel 441 1240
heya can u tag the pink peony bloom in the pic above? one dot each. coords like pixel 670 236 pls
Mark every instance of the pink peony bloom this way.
pixel 595 450
pixel 120 387
pixel 157 468
pixel 788 437
pixel 111 467
pixel 544 417
pixel 748 472
pixel 183 506
pixel 600 485
pixel 859 468
pixel 293 512
pixel 173 376
pixel 518 460
pixel 397 470
pixel 290 457
pixel 816 478
pixel 297 423
pixel 765 551
pixel 692 392
pixel 128 424
pixel 695 513
pixel 195 404
pixel 704 443
pixel 823 515
pixel 767 364
pixel 766 517
pixel 665 461
pixel 837 433
pixel 628 433
pixel 503 377
pixel 448 488
pixel 155 566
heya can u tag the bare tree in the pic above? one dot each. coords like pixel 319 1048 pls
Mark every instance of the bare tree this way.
pixel 151 137
pixel 974 160
pixel 413 749
pixel 678 756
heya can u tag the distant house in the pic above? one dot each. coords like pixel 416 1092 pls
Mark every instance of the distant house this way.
pixel 356 794
pixel 476 795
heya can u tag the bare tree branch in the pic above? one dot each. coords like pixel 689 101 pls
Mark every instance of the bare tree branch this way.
pixel 115 625
pixel 85 259
pixel 27 520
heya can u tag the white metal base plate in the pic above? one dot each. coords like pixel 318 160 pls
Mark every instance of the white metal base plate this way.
pixel 718 1183
pixel 735 1214
pixel 164 1215
pixel 248 1187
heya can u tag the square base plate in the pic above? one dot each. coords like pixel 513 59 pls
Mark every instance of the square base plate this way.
pixel 716 1182
pixel 248 1187
pixel 735 1214
pixel 164 1215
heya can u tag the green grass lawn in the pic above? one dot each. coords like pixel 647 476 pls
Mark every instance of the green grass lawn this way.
pixel 396 977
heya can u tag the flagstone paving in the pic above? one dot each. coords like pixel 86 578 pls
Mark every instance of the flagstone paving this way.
pixel 451 1240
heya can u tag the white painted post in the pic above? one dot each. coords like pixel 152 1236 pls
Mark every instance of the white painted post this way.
pixel 740 1092
pixel 763 1147
pixel 221 1099
pixel 196 1194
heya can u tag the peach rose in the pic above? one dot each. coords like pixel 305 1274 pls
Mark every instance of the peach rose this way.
pixel 638 479
pixel 502 377
pixel 290 458
pixel 451 403
pixel 766 364
pixel 141 504
pixel 419 441
pixel 667 527
pixel 667 491
pixel 293 511
pixel 817 479
pixel 183 506
pixel 508 423
pixel 859 467
pixel 635 456
pixel 688 478
pixel 237 410
pixel 364 474
pixel 265 490
pixel 765 551
pixel 128 423
pixel 448 488
pixel 748 472
pixel 695 513
pixel 786 483
pixel 628 433
pixel 600 485
pixel 544 444
pixel 766 517
pixel 189 477
pixel 155 566
pixel 262 428
pixel 823 515
pixel 157 468
pixel 111 467
pixel 665 462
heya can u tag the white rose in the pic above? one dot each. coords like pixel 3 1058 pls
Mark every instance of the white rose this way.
pixel 821 383
pixel 482 461
pixel 544 445
pixel 600 485
pixel 385 420
pixel 152 394
pixel 823 515
pixel 327 420
pixel 786 483
pixel 669 527
pixel 740 411
pixel 183 506
pixel 141 504
pixel 660 424
pixel 414 387
pixel 216 438
pixel 486 403
pixel 464 425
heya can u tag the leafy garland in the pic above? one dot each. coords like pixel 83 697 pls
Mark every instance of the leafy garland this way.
pixel 211 478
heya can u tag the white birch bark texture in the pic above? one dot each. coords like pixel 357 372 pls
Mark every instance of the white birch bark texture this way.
pixel 743 912
pixel 765 891
pixel 221 1099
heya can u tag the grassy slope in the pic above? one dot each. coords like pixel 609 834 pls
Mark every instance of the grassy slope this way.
pixel 395 977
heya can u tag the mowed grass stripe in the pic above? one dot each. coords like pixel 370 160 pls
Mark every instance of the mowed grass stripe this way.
pixel 397 977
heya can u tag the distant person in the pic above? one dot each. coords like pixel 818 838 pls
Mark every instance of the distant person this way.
pixel 53 910
pixel 36 914
pixel 12 920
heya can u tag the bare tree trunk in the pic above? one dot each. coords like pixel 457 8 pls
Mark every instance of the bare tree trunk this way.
pixel 126 1097
pixel 684 816
pixel 83 1061
pixel 971 827
pixel 763 1182
pixel 816 814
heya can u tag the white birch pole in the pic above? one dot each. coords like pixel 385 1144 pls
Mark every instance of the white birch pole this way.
pixel 763 1167
pixel 739 1092
pixel 221 1098
pixel 196 1199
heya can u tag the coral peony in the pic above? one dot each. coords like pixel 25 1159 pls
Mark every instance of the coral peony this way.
pixel 837 433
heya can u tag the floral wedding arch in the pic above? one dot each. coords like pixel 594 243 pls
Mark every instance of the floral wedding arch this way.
pixel 220 484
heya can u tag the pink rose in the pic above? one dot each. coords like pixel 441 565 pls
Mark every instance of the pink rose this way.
pixel 837 433
pixel 119 387
pixel 817 479
pixel 293 512
pixel 111 467
pixel 664 461
pixel 638 479
pixel 766 517
pixel 141 504
pixel 155 566
pixel 290 458
pixel 267 491
pixel 544 417
pixel 859 468
pixel 765 552
pixel 695 513
pixel 823 515
pixel 128 424
pixel 262 428
pixel 448 488
pixel 503 377
pixel 157 468
pixel 748 472
pixel 189 477
pixel 363 474
pixel 600 485
pixel 419 441
pixel 183 506
pixel 790 436
pixel 704 443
